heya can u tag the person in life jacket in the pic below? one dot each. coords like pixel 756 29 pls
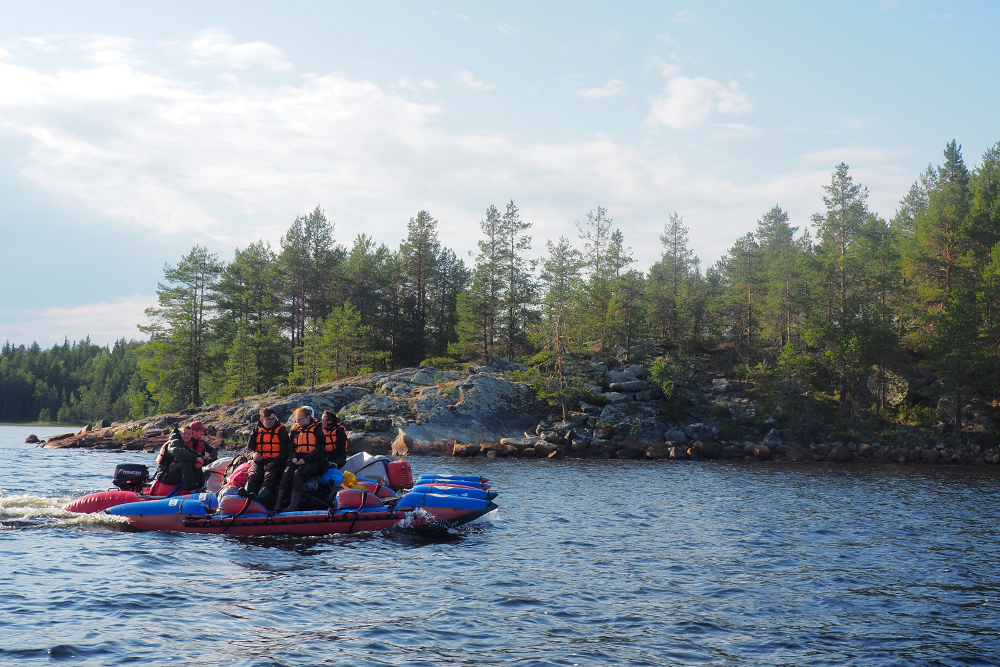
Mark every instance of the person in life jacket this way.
pixel 181 458
pixel 336 439
pixel 307 459
pixel 267 449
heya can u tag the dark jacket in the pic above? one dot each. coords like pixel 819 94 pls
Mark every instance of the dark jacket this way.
pixel 188 453
pixel 278 431
pixel 336 444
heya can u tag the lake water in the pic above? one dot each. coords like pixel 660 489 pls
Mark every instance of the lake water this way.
pixel 585 563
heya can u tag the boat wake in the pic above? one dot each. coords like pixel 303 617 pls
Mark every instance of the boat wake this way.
pixel 27 511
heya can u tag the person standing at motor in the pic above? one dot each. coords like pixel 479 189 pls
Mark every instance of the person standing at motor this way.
pixel 267 449
pixel 182 457
pixel 307 458
pixel 336 439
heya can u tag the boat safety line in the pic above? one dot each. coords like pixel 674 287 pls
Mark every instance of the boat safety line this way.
pixel 236 516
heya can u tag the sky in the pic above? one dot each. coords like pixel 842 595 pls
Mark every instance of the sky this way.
pixel 132 131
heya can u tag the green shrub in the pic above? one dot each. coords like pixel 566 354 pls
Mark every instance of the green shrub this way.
pixel 668 373
pixel 443 363
pixel 289 389
pixel 720 411
pixel 730 430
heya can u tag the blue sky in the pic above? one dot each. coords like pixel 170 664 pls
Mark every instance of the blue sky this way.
pixel 129 131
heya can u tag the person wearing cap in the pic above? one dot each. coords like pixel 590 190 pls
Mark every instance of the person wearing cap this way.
pixel 181 458
pixel 336 439
pixel 208 452
pixel 307 459
pixel 267 449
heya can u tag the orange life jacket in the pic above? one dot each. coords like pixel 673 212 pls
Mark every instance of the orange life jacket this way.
pixel 269 442
pixel 331 438
pixel 305 439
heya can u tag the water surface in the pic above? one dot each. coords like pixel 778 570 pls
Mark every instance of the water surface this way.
pixel 585 563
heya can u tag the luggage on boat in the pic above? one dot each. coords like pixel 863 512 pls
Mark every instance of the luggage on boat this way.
pixel 395 474
pixel 400 475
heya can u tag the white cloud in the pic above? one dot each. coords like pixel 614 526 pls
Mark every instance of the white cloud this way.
pixel 940 17
pixel 689 102
pixel 664 68
pixel 105 322
pixel 229 165
pixel 404 83
pixel 503 28
pixel 685 16
pixel 110 50
pixel 664 37
pixel 217 47
pixel 467 78
pixel 610 89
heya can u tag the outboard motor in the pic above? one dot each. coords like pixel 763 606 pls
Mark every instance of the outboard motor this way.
pixel 131 476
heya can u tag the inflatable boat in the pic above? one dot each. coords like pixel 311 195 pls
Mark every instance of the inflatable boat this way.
pixel 382 495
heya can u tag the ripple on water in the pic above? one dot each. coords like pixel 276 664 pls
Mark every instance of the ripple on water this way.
pixel 694 564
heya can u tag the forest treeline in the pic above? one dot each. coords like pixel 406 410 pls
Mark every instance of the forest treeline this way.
pixel 826 321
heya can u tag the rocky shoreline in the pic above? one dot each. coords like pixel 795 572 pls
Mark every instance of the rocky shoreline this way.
pixel 483 411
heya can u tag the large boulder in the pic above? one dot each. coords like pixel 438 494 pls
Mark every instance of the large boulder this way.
pixel 699 431
pixel 841 453
pixel 629 386
pixel 367 423
pixel 648 395
pixel 424 377
pixel 636 371
pixel 404 444
pixel 658 451
pixel 798 455
pixel 678 453
pixel 730 452
pixel 613 413
pixel 772 439
pixel 461 449
pixel 676 435
pixel 711 450
pixel 543 449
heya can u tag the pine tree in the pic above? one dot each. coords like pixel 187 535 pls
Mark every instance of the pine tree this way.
pixel 518 291
pixel 419 254
pixel 173 362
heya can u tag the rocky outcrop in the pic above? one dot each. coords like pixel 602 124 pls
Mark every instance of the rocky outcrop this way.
pixel 483 411
pixel 406 412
